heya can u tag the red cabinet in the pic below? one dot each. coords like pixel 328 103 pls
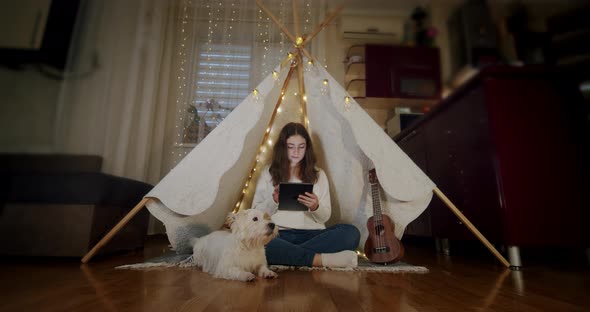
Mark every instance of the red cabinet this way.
pixel 511 151
pixel 402 72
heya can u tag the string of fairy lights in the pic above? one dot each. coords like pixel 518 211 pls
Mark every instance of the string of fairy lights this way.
pixel 181 100
pixel 266 40
pixel 282 17
pixel 307 17
pixel 265 146
pixel 220 18
pixel 225 13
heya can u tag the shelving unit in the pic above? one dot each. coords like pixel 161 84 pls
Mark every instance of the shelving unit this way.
pixel 355 78
pixel 355 73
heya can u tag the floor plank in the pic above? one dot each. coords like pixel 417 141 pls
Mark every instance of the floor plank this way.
pixel 461 282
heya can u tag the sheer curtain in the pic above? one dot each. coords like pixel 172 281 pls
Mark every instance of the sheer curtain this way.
pixel 113 100
pixel 225 49
pixel 149 79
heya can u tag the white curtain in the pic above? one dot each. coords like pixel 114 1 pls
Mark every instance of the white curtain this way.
pixel 113 101
pixel 224 49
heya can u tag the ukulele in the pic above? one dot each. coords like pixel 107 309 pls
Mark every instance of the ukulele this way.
pixel 381 246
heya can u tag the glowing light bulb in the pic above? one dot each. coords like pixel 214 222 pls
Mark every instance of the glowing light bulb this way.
pixel 347 105
pixel 298 41
pixel 324 88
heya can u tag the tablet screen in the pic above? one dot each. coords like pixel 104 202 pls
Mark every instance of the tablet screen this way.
pixel 288 194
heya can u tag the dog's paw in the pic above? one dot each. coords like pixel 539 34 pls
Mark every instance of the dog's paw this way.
pixel 266 273
pixel 269 274
pixel 247 277
pixel 243 276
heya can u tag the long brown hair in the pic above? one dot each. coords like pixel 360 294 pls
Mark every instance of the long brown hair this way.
pixel 279 168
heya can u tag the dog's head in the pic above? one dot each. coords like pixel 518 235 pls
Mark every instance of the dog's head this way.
pixel 252 227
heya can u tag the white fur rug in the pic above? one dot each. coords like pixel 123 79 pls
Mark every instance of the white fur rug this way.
pixel 174 260
pixel 363 265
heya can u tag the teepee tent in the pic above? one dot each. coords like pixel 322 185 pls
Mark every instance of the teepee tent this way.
pixel 219 175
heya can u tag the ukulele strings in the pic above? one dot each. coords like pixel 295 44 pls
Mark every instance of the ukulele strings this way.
pixel 379 219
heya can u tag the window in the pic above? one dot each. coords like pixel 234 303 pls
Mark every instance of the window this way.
pixel 222 81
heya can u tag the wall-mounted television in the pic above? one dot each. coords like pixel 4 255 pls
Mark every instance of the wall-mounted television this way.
pixel 36 32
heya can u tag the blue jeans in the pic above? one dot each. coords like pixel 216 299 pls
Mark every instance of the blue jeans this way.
pixel 298 247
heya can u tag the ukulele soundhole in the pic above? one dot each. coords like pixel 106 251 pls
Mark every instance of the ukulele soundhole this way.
pixel 379 229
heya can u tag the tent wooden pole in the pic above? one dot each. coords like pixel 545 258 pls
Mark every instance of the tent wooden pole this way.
pixel 274 19
pixel 107 238
pixel 309 57
pixel 288 59
pixel 470 226
pixel 321 26
pixel 267 132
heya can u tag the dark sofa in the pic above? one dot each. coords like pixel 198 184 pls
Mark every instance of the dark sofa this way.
pixel 62 205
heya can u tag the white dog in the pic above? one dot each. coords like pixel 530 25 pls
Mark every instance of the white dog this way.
pixel 239 254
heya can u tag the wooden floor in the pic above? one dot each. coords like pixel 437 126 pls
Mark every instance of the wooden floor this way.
pixel 467 281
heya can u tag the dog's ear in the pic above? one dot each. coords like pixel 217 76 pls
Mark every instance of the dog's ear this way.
pixel 229 220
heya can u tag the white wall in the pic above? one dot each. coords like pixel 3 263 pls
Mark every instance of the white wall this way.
pixel 28 104
pixel 28 98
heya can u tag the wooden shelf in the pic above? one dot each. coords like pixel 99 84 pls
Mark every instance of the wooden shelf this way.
pixel 356 49
pixel 354 71
pixel 355 77
pixel 391 103
pixel 356 88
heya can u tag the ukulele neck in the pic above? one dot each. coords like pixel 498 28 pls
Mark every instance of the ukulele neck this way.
pixel 376 201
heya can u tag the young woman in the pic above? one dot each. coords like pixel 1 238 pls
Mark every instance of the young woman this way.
pixel 303 238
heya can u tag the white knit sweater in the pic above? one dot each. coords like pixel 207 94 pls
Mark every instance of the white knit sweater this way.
pixel 303 220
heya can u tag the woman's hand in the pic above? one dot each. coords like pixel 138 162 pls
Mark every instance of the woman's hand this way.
pixel 275 194
pixel 310 200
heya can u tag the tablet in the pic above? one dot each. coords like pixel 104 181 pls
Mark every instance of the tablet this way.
pixel 288 194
